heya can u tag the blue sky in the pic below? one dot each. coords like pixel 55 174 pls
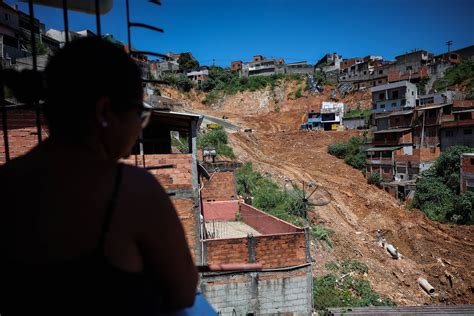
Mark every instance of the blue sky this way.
pixel 226 30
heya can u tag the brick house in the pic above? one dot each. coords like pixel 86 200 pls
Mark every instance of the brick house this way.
pixel 234 232
pixel 467 172
pixel 458 130
pixel 177 172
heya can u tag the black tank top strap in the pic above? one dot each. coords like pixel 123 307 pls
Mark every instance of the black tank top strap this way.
pixel 112 205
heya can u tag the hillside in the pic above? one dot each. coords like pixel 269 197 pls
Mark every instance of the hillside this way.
pixel 441 253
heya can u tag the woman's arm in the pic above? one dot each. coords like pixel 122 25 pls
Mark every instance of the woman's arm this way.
pixel 163 244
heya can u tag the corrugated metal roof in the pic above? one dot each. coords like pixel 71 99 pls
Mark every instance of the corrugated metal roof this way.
pixel 407 112
pixel 384 148
pixel 405 310
pixel 394 130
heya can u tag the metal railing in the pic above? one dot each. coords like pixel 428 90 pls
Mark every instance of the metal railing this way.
pixel 35 105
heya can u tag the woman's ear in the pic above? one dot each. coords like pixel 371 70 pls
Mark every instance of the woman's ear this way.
pixel 103 112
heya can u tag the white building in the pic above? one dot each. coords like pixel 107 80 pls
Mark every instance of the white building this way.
pixel 331 115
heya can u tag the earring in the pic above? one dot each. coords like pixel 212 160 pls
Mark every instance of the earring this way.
pixel 105 124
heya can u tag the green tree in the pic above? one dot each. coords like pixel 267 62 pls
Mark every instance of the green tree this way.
pixel 208 84
pixel 186 62
pixel 183 83
pixel 448 165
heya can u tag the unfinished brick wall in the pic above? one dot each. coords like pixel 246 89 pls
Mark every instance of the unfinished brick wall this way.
pixel 260 293
pixel 177 181
pixel 221 187
pixel 419 155
pixel 284 250
pixel 22 133
pixel 272 251
pixel 231 250
pixel 264 223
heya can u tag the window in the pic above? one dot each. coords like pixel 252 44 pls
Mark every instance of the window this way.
pixel 432 113
pixel 413 93
pixel 397 120
pixel 394 94
pixel 381 96
pixel 449 133
pixel 386 169
pixel 380 81
pixel 394 105
pixel 380 72
pixel 468 131
pixel 365 72
pixel 472 161
pixel 382 106
pixel 374 106
pixel 409 68
pixel 7 17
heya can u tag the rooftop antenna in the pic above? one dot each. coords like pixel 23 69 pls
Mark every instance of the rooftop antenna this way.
pixel 449 43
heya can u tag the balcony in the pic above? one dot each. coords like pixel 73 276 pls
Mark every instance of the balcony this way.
pixel 462 123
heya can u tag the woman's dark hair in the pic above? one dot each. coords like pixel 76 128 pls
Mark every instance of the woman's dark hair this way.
pixel 76 77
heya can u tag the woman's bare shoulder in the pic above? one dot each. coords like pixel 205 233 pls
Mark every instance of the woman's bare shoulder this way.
pixel 140 183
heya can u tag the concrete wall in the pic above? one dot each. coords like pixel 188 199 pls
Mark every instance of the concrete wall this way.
pixel 260 293
pixel 353 123
pixel 456 136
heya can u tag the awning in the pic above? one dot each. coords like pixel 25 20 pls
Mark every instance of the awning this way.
pixel 394 130
pixel 383 148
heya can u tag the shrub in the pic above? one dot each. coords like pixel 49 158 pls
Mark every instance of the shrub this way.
pixel 268 196
pixel 375 179
pixel 339 150
pixel 298 93
pixel 246 179
pixel 216 138
pixel 183 83
pixel 437 191
pixel 208 84
pixel 349 152
pixel 356 160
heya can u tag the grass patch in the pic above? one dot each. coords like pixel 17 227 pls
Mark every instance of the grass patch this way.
pixel 358 113
pixel 345 287
pixel 332 290
pixel 322 234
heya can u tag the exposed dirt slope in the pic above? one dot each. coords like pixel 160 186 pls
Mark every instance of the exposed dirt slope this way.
pixel 357 210
pixel 441 253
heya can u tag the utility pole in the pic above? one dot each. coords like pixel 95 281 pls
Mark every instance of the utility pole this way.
pixel 449 43
pixel 213 62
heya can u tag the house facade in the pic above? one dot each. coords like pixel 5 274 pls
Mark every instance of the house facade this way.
pixel 393 96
